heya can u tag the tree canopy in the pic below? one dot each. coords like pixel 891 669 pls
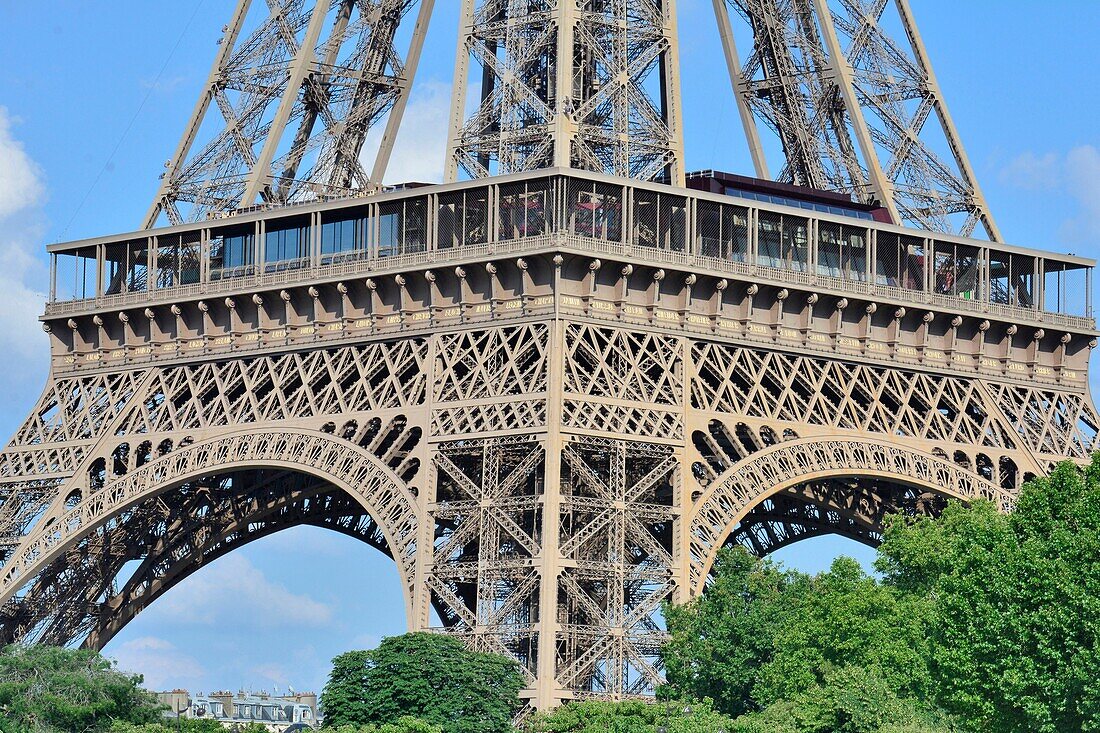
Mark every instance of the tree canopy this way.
pixel 982 621
pixel 1015 604
pixel 632 717
pixel 431 677
pixel 50 689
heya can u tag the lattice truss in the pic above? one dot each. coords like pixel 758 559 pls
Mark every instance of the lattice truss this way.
pixel 848 90
pixel 939 410
pixel 588 85
pixel 101 442
pixel 488 522
pixel 618 512
pixel 289 105
pixel 542 486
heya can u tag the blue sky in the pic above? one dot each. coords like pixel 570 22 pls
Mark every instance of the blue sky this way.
pixel 93 98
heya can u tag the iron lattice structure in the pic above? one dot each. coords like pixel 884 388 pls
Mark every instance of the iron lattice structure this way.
pixel 550 396
pixel 289 106
pixel 856 109
pixel 588 85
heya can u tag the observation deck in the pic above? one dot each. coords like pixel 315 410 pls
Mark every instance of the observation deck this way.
pixel 1002 299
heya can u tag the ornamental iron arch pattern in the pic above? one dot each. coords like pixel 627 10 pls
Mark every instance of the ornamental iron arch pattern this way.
pixel 722 507
pixel 347 466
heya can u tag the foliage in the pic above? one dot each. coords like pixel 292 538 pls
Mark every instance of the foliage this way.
pixel 991 617
pixel 401 725
pixel 46 689
pixel 761 635
pixel 1016 620
pixel 432 677
pixel 850 699
pixel 169 725
pixel 631 717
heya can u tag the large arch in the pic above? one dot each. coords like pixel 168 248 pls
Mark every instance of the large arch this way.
pixel 783 467
pixel 329 467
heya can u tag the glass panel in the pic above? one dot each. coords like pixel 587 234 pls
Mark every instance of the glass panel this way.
pixel 660 220
pixel 1065 288
pixel 523 209
pixel 829 249
pixel 402 227
pixel 956 270
pixel 76 274
pixel 673 223
pixel 126 267
pixel 463 218
pixel 231 253
pixel 842 251
pixel 783 241
pixel 595 210
pixel 855 254
pixel 645 218
pixel 1021 273
pixel 178 260
pixel 899 261
pixel 475 220
pixel 721 231
pixel 343 239
pixel 1012 279
pixel 286 246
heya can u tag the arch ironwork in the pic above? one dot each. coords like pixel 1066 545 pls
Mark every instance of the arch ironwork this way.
pixel 330 466
pixel 726 503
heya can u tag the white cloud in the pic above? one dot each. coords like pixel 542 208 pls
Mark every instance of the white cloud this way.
pixel 1032 172
pixel 1076 175
pixel 420 151
pixel 20 180
pixel 160 662
pixel 421 145
pixel 234 591
pixel 1083 182
pixel 271 672
pixel 23 278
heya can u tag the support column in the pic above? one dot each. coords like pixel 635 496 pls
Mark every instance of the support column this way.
pixel 546 691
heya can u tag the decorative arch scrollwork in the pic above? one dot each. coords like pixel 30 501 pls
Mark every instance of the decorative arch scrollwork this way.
pixel 718 511
pixel 347 466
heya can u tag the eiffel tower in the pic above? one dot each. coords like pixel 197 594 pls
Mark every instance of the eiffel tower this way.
pixel 552 388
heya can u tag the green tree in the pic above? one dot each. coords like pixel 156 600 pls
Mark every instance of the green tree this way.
pixel 849 699
pixel 760 635
pixel 631 717
pixel 49 689
pixel 1016 617
pixel 431 677
pixel 401 725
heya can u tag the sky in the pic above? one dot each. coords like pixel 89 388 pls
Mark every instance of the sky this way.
pixel 94 97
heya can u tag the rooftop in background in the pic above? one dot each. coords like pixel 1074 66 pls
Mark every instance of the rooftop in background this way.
pixel 275 712
pixel 784 194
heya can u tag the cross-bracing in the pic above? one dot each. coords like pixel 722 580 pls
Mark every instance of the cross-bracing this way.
pixel 553 392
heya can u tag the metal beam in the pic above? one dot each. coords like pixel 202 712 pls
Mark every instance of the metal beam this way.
pixel 738 84
pixel 841 72
pixel 397 112
pixel 161 201
pixel 304 63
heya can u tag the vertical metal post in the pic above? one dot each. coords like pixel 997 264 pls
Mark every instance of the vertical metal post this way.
pixel 459 89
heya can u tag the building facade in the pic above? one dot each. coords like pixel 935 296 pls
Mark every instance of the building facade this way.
pixel 277 713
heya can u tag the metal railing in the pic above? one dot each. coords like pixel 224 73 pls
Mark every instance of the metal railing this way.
pixel 766 242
